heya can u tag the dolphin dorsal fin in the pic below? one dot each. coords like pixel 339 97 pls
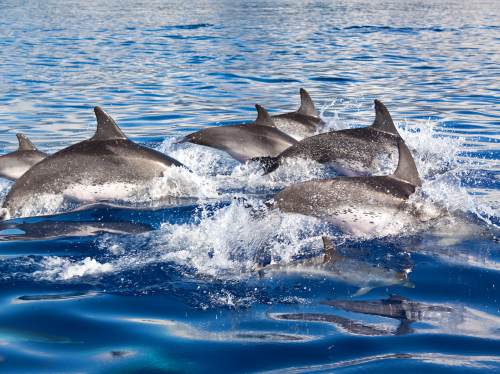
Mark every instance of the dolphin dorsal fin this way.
pixel 106 127
pixel 263 118
pixel 383 120
pixel 306 105
pixel 25 144
pixel 406 171
pixel 331 254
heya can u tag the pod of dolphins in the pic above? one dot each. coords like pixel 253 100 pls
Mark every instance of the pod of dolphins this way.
pixel 110 166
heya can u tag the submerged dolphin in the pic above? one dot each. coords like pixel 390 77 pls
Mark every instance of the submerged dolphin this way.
pixel 332 264
pixel 374 206
pixel 301 123
pixel 352 152
pixel 243 142
pixel 50 229
pixel 15 164
pixel 106 166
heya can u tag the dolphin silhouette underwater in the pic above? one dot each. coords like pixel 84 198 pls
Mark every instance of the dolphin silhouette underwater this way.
pixel 362 206
pixel 351 152
pixel 302 123
pixel 106 166
pixel 331 264
pixel 15 164
pixel 245 141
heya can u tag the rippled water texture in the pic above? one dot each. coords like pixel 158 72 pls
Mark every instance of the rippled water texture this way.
pixel 182 289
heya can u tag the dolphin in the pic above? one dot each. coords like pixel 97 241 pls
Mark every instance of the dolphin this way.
pixel 106 166
pixel 362 206
pixel 351 152
pixel 302 123
pixel 50 229
pixel 331 264
pixel 245 141
pixel 15 164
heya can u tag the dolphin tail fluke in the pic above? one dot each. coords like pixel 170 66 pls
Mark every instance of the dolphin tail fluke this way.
pixel 409 284
pixel 331 254
pixel 383 120
pixel 25 144
pixel 268 163
pixel 407 170
pixel 306 105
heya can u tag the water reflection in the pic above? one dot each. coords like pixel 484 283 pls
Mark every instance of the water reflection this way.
pixel 436 318
pixel 186 331
pixel 15 334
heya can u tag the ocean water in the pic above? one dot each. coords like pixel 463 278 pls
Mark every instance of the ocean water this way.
pixel 178 288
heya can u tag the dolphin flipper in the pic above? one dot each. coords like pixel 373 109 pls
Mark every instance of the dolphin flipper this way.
pixel 307 107
pixel 362 291
pixel 383 120
pixel 25 144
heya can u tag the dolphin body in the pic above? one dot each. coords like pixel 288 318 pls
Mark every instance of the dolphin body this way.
pixel 15 164
pixel 362 206
pixel 331 264
pixel 351 152
pixel 302 123
pixel 50 229
pixel 106 166
pixel 245 141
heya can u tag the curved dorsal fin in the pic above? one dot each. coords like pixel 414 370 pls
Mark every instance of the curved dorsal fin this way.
pixel 331 254
pixel 383 120
pixel 406 171
pixel 306 105
pixel 106 127
pixel 263 117
pixel 25 144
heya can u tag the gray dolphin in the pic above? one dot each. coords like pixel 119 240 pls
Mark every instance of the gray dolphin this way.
pixel 331 264
pixel 301 123
pixel 106 166
pixel 51 229
pixel 15 164
pixel 352 152
pixel 373 206
pixel 245 141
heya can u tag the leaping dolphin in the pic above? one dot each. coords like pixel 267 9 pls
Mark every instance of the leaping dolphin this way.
pixel 243 142
pixel 106 166
pixel 302 123
pixel 351 152
pixel 372 206
pixel 15 164
pixel 332 264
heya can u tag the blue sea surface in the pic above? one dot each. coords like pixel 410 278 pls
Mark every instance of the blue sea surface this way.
pixel 176 287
